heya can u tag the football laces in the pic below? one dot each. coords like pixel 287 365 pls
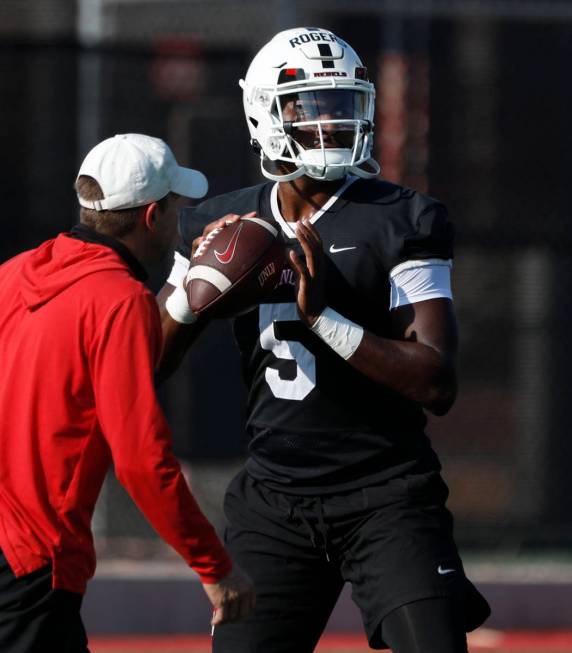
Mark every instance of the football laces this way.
pixel 202 247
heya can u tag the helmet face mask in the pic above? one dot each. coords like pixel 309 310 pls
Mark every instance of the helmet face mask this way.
pixel 326 127
pixel 308 104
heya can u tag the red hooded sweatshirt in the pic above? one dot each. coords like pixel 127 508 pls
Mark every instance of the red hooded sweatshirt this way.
pixel 79 341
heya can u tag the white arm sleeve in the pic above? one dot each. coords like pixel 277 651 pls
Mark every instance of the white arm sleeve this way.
pixel 416 281
pixel 179 270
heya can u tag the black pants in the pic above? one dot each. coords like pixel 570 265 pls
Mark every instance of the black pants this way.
pixel 34 618
pixel 392 543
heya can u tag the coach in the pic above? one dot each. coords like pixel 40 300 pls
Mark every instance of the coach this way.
pixel 80 336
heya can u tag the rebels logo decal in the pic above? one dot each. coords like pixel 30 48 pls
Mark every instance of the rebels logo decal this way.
pixel 333 73
pixel 228 254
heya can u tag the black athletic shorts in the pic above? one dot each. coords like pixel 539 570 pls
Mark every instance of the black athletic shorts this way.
pixel 34 618
pixel 392 542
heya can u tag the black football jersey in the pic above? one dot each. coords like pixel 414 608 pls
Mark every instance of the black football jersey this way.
pixel 317 425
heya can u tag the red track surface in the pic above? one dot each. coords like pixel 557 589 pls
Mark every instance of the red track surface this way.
pixel 483 640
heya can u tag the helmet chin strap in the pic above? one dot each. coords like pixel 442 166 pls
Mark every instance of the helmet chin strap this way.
pixel 327 174
pixel 311 171
pixel 364 174
pixel 339 172
pixel 299 172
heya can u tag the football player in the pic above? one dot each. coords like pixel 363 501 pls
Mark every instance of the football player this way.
pixel 357 339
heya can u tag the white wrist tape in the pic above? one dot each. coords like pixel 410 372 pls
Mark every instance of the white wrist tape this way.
pixel 179 270
pixel 342 335
pixel 177 305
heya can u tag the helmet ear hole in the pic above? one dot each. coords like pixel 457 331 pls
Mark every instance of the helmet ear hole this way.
pixel 253 121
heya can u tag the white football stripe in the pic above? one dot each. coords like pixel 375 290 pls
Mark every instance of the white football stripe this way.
pixel 211 275
pixel 263 223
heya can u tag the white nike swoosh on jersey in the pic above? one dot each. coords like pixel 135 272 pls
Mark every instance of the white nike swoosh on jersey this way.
pixel 442 571
pixel 335 250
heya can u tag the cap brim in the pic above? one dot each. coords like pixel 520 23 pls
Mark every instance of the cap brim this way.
pixel 189 183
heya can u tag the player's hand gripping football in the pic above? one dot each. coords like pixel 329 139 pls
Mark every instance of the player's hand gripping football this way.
pixel 217 225
pixel 310 295
pixel 232 597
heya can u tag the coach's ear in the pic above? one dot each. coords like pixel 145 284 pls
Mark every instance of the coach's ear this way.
pixel 150 216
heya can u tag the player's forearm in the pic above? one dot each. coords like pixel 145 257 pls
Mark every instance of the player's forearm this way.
pixel 414 370
pixel 177 337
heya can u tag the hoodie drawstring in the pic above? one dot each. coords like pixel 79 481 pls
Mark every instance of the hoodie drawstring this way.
pixel 316 509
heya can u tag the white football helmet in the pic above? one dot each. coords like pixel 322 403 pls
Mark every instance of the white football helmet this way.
pixel 308 102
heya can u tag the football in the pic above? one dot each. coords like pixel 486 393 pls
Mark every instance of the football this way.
pixel 235 267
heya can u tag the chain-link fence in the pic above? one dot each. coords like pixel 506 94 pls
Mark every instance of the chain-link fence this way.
pixel 473 107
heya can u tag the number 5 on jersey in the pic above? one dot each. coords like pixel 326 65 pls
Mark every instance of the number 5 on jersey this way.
pixel 302 384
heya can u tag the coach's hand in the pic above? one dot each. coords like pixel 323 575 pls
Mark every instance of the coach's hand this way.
pixel 310 296
pixel 232 598
pixel 219 224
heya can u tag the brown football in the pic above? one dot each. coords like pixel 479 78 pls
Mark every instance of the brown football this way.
pixel 235 267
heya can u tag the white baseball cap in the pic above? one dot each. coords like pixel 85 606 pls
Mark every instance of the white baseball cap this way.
pixel 133 170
